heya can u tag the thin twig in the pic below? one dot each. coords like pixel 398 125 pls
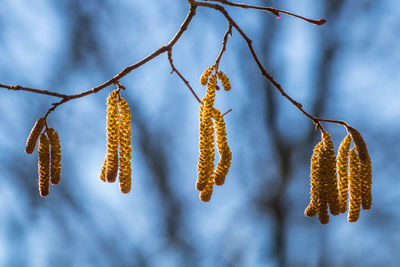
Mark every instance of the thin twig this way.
pixel 223 48
pixel 227 112
pixel 55 105
pixel 334 121
pixel 33 90
pixel 153 55
pixel 298 105
pixel 171 62
pixel 116 78
pixel 168 48
pixel 119 85
pixel 271 10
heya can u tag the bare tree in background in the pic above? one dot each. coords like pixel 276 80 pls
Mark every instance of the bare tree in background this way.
pixel 104 241
pixel 81 50
pixel 285 148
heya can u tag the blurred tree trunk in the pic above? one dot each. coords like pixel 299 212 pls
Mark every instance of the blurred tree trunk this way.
pixel 282 147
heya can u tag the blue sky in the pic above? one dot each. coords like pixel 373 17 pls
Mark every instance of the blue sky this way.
pixel 82 214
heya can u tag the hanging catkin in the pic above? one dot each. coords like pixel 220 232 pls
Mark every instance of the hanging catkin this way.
pixel 223 149
pixel 315 182
pixel 124 146
pixel 328 170
pixel 55 153
pixel 210 117
pixel 43 165
pixel 205 148
pixel 103 170
pixel 359 143
pixel 206 74
pixel 324 191
pixel 366 170
pixel 202 164
pixel 206 145
pixel 366 183
pixel 224 80
pixel 205 194
pixel 323 178
pixel 110 166
pixel 354 187
pixel 323 214
pixel 334 179
pixel 34 135
pixel 342 165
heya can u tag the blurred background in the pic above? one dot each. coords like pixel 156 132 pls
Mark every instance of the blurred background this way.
pixel 347 69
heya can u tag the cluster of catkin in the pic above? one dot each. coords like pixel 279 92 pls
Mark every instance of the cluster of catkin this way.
pixel 333 178
pixel 212 123
pixel 118 142
pixel 49 155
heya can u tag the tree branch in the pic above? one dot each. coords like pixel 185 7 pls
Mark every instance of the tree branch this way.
pixel 33 90
pixel 161 50
pixel 168 48
pixel 298 105
pixel 171 62
pixel 269 9
pixel 224 41
pixel 116 78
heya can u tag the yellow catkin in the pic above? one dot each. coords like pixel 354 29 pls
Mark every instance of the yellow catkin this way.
pixel 323 192
pixel 206 145
pixel 34 135
pixel 224 80
pixel 125 147
pixel 103 171
pixel 55 153
pixel 43 165
pixel 323 215
pixel 366 169
pixel 206 74
pixel 205 195
pixel 223 149
pixel 342 166
pixel 359 143
pixel 111 169
pixel 207 151
pixel 328 169
pixel 366 183
pixel 313 207
pixel 209 98
pixel 354 186
pixel 202 165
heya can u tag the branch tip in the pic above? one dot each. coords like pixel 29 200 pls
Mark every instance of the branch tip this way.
pixel 320 22
pixel 227 112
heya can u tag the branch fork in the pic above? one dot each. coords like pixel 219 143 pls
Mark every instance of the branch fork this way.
pixel 167 48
